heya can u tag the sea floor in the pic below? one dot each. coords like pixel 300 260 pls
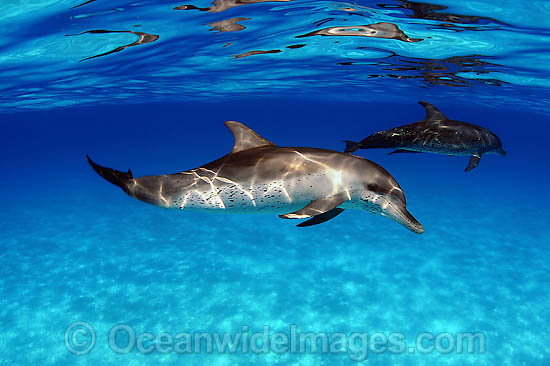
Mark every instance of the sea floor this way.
pixel 99 257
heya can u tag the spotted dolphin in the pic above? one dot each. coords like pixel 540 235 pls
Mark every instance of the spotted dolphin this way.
pixel 260 177
pixel 437 134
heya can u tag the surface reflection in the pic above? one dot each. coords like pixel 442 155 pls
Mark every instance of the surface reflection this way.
pixel 222 5
pixel 295 46
pixel 487 51
pixel 87 2
pixel 256 52
pixel 228 25
pixel 435 72
pixel 143 38
pixel 376 30
pixel 433 12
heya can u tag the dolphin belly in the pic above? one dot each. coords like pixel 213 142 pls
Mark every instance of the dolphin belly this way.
pixel 213 192
pixel 237 199
pixel 441 148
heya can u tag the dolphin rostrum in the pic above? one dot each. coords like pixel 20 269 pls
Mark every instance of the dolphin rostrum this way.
pixel 437 134
pixel 260 177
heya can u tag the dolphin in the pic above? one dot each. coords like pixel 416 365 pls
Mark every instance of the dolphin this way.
pixel 437 134
pixel 260 177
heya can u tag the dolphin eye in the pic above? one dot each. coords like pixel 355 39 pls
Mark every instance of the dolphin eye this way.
pixel 374 187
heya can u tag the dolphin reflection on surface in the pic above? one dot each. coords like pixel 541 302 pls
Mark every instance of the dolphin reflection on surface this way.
pixel 376 30
pixel 228 25
pixel 222 5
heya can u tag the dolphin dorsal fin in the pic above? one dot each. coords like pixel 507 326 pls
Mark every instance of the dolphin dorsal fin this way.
pixel 432 113
pixel 245 138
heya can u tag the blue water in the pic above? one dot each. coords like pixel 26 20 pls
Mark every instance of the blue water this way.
pixel 74 248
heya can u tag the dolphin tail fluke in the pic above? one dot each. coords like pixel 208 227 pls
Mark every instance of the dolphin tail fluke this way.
pixel 118 178
pixel 351 146
pixel 474 160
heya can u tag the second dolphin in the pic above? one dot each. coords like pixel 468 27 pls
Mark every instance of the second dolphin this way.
pixel 437 134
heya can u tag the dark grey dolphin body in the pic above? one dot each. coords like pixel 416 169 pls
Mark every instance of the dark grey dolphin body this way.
pixel 260 177
pixel 437 134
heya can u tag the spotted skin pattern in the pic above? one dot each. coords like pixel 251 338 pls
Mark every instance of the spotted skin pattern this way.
pixel 260 177
pixel 435 134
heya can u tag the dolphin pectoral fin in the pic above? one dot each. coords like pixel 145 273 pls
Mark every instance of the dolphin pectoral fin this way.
pixel 245 138
pixel 474 160
pixel 319 219
pixel 401 151
pixel 318 207
pixel 432 113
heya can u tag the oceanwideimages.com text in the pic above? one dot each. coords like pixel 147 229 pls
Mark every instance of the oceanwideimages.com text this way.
pixel 80 339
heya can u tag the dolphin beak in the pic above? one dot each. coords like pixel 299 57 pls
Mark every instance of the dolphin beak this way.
pixel 411 223
pixel 399 213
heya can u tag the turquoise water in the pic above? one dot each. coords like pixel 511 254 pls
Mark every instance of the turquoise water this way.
pixel 77 249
